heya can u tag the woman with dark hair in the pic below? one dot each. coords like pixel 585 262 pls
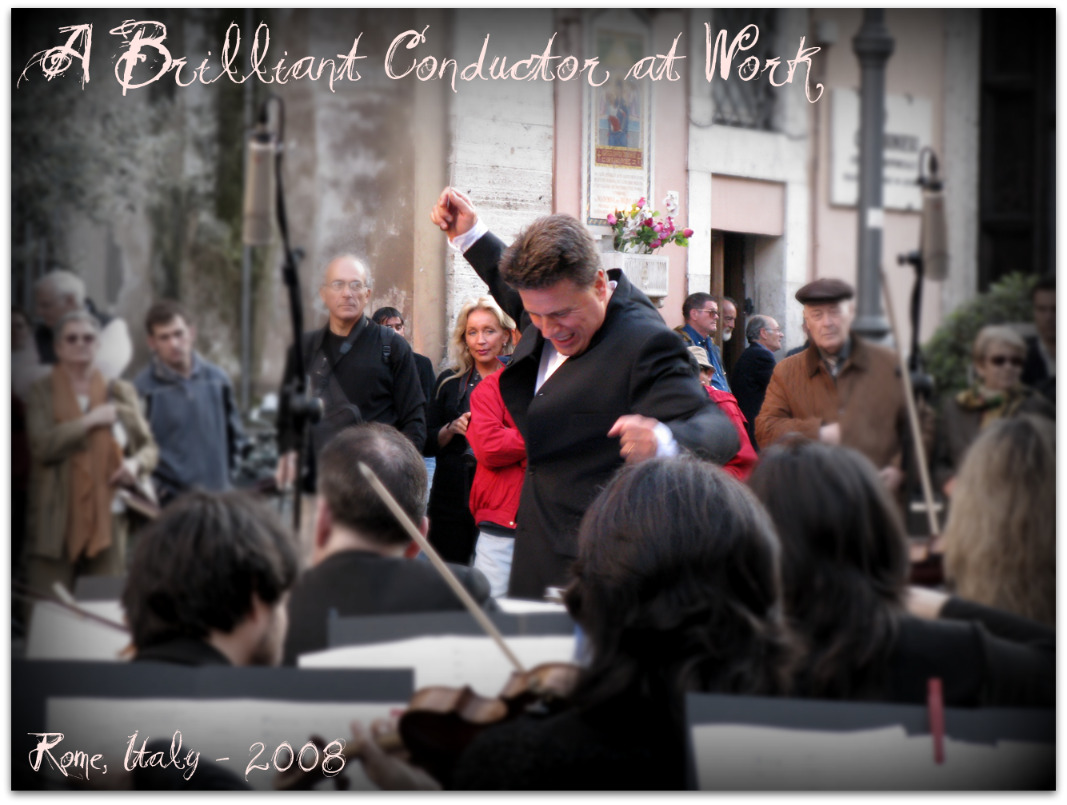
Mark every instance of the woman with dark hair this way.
pixel 676 590
pixel 844 571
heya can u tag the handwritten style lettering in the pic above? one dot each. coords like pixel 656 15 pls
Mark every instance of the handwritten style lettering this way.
pixel 79 760
pixel 720 57
pixel 56 61
pixel 537 67
pixel 143 759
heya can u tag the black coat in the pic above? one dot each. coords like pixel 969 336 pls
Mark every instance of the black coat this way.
pixel 634 365
pixel 749 380
pixel 378 377
pixel 362 583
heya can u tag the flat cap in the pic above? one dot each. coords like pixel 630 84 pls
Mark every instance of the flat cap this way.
pixel 701 355
pixel 823 290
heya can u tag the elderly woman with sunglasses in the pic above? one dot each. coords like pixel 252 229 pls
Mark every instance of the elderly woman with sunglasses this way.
pixel 997 393
pixel 87 439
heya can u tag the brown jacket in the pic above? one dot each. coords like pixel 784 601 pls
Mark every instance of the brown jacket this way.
pixel 867 400
pixel 51 446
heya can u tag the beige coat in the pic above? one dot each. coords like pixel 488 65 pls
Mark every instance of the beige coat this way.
pixel 52 444
pixel 867 400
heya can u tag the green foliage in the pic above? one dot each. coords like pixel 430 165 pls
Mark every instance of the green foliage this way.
pixel 948 352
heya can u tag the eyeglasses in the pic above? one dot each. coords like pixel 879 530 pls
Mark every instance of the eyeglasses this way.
pixel 710 311
pixel 1000 360
pixel 74 338
pixel 339 285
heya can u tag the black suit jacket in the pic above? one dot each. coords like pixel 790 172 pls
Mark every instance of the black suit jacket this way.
pixel 749 380
pixel 634 365
pixel 363 583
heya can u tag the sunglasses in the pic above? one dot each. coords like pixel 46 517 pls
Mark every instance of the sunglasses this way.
pixel 1000 360
pixel 74 338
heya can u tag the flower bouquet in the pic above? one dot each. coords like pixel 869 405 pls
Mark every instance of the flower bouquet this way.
pixel 638 230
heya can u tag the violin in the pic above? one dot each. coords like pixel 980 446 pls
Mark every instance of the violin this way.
pixel 440 722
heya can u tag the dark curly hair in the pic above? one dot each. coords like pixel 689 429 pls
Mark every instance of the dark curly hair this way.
pixel 677 588
pixel 196 568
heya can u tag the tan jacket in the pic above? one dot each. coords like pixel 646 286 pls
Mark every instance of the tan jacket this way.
pixel 867 401
pixel 52 444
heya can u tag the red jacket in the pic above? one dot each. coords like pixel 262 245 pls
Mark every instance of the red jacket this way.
pixel 501 454
pixel 744 461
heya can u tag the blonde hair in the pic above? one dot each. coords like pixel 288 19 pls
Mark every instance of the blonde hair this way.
pixel 460 359
pixel 1000 540
pixel 995 334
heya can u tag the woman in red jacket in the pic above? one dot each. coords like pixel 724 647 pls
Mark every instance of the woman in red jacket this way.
pixel 744 460
pixel 501 454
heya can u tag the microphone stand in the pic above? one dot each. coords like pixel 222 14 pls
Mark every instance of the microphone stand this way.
pixel 297 410
pixel 921 384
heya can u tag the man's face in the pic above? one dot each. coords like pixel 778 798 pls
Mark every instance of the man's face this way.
pixel 344 302
pixel 729 319
pixel 395 323
pixel 705 318
pixel 50 307
pixel 771 336
pixel 173 343
pixel 1045 315
pixel 567 314
pixel 828 324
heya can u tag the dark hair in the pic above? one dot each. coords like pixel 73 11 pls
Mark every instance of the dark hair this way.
pixel 729 299
pixel 551 249
pixel 195 569
pixel 755 324
pixel 844 562
pixel 164 312
pixel 1046 282
pixel 350 497
pixel 695 300
pixel 676 587
pixel 383 314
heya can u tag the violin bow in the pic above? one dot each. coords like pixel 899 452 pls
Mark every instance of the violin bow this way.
pixel 439 563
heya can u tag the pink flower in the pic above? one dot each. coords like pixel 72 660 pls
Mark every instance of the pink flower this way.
pixel 612 219
pixel 641 202
pixel 655 244
pixel 687 233
pixel 648 222
pixel 658 228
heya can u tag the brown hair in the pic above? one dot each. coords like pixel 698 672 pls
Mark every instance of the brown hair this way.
pixel 350 497
pixel 164 312
pixel 551 249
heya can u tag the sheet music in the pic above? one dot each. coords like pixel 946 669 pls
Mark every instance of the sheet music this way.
pixel 739 757
pixel 449 659
pixel 216 728
pixel 56 633
pixel 520 606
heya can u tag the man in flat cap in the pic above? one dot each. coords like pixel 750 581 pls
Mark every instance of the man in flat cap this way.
pixel 841 389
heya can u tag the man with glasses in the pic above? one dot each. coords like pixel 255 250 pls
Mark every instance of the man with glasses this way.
pixel 361 372
pixel 701 314
pixel 841 389
pixel 754 368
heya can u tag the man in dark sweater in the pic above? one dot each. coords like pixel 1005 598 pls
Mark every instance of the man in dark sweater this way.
pixel 362 557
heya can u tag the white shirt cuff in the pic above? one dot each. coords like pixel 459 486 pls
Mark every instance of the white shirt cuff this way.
pixel 463 242
pixel 666 446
